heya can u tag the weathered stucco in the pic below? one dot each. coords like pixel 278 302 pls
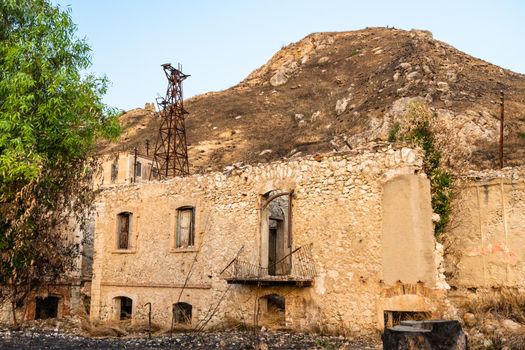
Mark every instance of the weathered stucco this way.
pixel 337 207
pixel 489 229
pixel 406 209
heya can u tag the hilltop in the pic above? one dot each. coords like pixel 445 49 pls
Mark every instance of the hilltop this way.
pixel 336 91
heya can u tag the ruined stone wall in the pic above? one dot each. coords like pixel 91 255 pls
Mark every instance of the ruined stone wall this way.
pixel 124 162
pixel 488 231
pixel 337 207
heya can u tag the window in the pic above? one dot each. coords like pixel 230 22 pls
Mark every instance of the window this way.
pixel 123 230
pixel 124 308
pixel 182 313
pixel 138 169
pixel 185 235
pixel 114 172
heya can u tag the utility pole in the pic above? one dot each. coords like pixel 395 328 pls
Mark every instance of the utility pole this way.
pixel 135 154
pixel 501 124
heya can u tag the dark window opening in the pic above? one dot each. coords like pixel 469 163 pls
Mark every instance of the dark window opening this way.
pixel 182 313
pixel 114 172
pixel 124 221
pixel 138 169
pixel 185 235
pixel 125 305
pixel 46 308
pixel 394 318
pixel 87 304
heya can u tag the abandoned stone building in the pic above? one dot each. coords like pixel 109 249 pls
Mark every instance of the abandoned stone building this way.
pixel 337 242
pixel 329 242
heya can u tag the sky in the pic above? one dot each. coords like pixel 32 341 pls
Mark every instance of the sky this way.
pixel 220 42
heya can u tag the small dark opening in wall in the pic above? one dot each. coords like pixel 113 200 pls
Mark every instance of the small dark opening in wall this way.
pixel 276 302
pixel 87 304
pixel 114 172
pixel 182 313
pixel 46 308
pixel 394 318
pixel 272 310
pixel 126 308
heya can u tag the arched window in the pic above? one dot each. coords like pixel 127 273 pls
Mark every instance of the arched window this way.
pixel 185 233
pixel 124 230
pixel 182 313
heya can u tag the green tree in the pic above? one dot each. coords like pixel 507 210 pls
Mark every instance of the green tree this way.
pixel 51 114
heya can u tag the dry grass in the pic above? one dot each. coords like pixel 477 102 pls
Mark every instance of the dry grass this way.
pixel 504 304
pixel 490 309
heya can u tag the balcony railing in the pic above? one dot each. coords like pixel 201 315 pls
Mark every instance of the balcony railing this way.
pixel 296 268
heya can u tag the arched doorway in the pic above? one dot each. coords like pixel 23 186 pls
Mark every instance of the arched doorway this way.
pixel 276 232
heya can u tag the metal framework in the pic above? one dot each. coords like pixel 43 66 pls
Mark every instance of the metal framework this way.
pixel 171 151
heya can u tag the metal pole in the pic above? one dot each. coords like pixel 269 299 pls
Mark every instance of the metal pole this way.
pixel 502 103
pixel 135 151
pixel 149 320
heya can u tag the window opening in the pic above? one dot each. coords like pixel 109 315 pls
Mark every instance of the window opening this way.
pixel 182 313
pixel 185 227
pixel 125 308
pixel 138 169
pixel 114 172
pixel 124 222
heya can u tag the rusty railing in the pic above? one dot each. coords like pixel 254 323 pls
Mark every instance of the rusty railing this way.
pixel 295 266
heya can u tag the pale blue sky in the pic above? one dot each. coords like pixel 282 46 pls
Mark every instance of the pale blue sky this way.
pixel 220 42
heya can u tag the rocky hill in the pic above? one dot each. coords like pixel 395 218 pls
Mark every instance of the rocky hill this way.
pixel 335 91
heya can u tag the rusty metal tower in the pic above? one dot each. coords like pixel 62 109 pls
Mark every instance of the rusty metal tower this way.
pixel 171 151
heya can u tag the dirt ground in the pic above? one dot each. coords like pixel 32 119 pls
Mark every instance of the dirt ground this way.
pixel 38 339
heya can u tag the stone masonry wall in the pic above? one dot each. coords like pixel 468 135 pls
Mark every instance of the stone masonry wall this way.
pixel 337 207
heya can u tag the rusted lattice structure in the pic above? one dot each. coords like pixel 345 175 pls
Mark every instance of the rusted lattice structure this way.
pixel 171 151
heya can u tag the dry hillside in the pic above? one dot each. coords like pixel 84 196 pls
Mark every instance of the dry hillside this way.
pixel 334 91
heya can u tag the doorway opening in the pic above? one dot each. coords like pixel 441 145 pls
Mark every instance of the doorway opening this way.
pixel 276 232
pixel 47 307
pixel 272 311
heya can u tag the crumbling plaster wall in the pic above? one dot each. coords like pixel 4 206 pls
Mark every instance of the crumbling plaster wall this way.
pixel 488 231
pixel 337 206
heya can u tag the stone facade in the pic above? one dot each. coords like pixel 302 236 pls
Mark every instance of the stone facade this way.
pixel 357 213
